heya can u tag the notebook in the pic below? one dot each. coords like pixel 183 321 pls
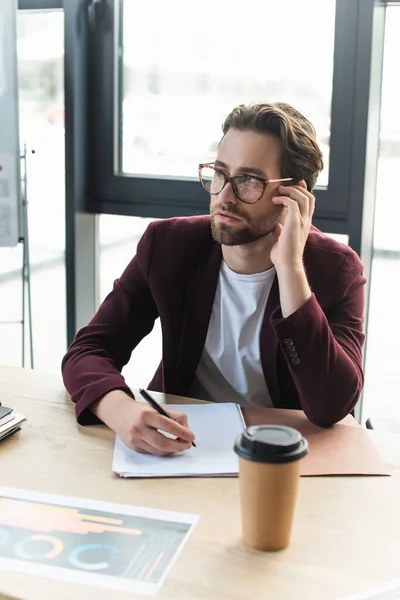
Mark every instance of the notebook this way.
pixel 216 427
pixel 10 424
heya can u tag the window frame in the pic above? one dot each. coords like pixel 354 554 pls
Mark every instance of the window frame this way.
pixel 126 194
pixel 40 4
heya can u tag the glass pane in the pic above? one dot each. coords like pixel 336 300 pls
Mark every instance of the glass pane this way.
pixel 118 240
pixel 382 374
pixel 41 119
pixel 386 231
pixel 180 81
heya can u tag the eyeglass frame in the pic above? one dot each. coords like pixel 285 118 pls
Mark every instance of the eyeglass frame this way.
pixel 231 180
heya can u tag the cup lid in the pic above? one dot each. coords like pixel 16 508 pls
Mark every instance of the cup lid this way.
pixel 271 444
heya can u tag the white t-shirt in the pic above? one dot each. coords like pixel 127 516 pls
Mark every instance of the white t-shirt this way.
pixel 230 367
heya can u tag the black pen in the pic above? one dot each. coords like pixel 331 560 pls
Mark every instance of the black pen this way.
pixel 157 407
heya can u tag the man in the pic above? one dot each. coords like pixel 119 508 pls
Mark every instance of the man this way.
pixel 256 305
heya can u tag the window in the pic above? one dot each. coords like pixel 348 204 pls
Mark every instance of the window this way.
pixel 180 82
pixel 139 69
pixel 160 94
pixel 386 231
pixel 382 377
pixel 41 120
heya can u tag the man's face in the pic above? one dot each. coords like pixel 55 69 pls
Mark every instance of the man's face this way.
pixel 233 222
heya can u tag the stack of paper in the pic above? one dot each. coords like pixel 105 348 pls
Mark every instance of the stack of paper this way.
pixel 216 427
pixel 10 422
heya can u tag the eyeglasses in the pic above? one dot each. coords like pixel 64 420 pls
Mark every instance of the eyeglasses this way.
pixel 247 188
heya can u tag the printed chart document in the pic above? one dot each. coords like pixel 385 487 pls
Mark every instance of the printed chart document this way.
pixel 216 427
pixel 91 542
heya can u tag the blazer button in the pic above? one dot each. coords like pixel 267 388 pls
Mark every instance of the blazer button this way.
pixel 295 360
pixel 288 342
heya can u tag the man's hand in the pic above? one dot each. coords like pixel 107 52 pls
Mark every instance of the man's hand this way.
pixel 287 252
pixel 292 235
pixel 138 425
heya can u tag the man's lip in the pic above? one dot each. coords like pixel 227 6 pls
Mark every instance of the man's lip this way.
pixel 230 215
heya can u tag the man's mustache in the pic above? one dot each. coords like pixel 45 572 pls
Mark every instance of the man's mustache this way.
pixel 232 209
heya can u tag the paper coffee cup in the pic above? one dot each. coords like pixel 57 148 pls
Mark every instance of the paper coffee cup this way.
pixel 269 473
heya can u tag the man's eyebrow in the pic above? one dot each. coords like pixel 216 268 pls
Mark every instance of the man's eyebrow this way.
pixel 253 170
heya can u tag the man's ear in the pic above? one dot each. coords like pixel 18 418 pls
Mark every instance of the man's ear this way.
pixel 303 184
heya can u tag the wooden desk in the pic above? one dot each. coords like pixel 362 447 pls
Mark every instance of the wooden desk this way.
pixel 346 534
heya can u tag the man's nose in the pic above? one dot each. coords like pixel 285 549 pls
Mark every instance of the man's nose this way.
pixel 227 195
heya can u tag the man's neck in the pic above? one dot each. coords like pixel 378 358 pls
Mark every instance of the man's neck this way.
pixel 249 258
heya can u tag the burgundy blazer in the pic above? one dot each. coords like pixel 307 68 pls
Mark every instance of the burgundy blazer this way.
pixel 312 360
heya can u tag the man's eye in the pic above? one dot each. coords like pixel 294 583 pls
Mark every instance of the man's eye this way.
pixel 249 180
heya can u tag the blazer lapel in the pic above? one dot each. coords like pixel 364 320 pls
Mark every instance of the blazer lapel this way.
pixel 199 298
pixel 269 346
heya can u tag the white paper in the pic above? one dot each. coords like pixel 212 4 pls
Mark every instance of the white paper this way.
pixel 64 528
pixel 16 420
pixel 216 427
pixel 6 419
pixel 387 591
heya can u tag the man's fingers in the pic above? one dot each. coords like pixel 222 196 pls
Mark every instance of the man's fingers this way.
pixel 162 443
pixel 290 204
pixel 145 448
pixel 311 207
pixel 156 421
pixel 277 231
pixel 303 188
pixel 304 199
pixel 298 196
pixel 179 417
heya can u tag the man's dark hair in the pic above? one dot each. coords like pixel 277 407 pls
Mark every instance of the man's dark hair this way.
pixel 301 157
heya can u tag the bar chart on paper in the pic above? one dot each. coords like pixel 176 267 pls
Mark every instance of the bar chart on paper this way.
pixel 87 541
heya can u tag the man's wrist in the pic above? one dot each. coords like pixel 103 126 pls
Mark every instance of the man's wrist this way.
pixel 294 290
pixel 295 268
pixel 108 406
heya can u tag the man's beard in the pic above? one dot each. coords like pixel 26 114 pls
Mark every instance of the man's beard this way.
pixel 251 230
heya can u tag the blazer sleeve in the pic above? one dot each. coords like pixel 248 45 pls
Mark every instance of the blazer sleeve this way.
pixel 92 366
pixel 324 350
